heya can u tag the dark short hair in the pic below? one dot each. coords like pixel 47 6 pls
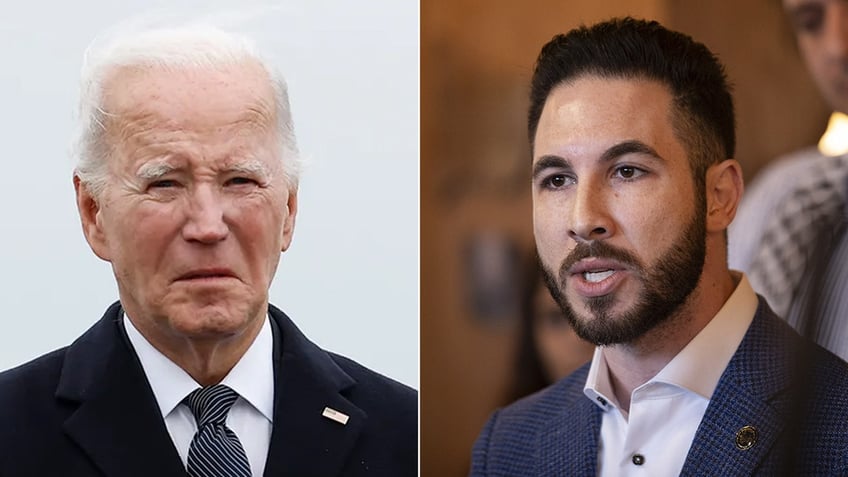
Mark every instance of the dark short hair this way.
pixel 702 111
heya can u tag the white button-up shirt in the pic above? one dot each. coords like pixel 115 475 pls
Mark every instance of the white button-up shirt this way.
pixel 665 411
pixel 251 417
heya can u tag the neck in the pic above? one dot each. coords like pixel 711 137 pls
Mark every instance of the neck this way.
pixel 635 363
pixel 209 362
pixel 207 359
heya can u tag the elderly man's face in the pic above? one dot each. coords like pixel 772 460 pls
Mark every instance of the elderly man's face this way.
pixel 196 210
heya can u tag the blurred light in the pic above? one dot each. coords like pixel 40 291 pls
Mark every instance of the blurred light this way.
pixel 834 142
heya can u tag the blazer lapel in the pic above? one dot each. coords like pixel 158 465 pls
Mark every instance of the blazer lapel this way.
pixel 117 422
pixel 307 381
pixel 568 445
pixel 751 392
pixel 714 449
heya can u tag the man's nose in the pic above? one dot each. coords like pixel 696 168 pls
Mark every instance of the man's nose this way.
pixel 590 219
pixel 205 218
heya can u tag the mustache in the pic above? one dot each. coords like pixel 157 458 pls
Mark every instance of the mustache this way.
pixel 597 250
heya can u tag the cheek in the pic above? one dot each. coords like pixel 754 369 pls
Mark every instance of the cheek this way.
pixel 142 231
pixel 546 244
pixel 260 223
pixel 655 224
pixel 549 220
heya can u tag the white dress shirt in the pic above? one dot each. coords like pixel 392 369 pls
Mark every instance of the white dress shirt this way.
pixel 654 439
pixel 251 417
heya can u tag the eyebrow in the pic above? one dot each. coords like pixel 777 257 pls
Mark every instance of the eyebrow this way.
pixel 616 151
pixel 550 162
pixel 250 167
pixel 629 147
pixel 159 167
pixel 154 169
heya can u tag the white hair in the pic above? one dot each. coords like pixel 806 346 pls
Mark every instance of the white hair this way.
pixel 186 46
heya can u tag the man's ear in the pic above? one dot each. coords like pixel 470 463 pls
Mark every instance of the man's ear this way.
pixel 90 216
pixel 724 191
pixel 288 222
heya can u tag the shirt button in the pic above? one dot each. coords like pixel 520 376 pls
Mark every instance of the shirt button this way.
pixel 638 459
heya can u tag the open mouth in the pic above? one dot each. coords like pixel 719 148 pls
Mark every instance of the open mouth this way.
pixel 597 276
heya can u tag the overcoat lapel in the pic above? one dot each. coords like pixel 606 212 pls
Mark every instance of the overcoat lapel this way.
pixel 118 425
pixel 117 422
pixel 304 442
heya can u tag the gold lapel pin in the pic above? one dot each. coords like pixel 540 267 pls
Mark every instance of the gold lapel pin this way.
pixel 746 437
pixel 342 418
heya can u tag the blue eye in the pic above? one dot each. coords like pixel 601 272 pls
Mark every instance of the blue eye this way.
pixel 162 184
pixel 240 181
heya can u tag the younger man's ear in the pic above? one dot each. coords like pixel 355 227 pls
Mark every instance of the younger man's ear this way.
pixel 724 191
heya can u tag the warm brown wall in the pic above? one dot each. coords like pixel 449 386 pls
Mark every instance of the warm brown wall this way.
pixel 476 60
pixel 777 106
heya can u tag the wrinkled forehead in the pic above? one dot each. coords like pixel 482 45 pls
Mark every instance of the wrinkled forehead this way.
pixel 190 97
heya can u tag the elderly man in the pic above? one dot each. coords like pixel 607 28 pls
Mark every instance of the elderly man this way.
pixel 187 186
pixel 632 128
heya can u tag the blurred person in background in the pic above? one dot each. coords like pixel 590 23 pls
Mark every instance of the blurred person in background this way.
pixel 548 347
pixel 790 232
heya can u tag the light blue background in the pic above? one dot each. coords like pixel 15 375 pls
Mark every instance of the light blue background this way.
pixel 350 280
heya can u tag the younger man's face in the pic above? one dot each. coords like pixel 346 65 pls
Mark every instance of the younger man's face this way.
pixel 618 230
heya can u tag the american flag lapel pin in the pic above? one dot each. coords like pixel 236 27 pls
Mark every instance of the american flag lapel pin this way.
pixel 334 415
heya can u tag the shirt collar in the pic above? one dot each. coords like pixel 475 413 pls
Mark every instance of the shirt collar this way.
pixel 598 387
pixel 252 377
pixel 700 364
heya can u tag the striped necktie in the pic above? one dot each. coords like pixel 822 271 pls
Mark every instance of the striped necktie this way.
pixel 215 450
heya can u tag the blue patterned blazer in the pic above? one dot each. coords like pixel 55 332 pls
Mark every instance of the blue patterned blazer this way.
pixel 794 393
pixel 88 410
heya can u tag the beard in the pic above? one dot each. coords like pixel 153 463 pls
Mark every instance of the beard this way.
pixel 666 286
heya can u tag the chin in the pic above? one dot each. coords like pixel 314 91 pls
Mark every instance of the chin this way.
pixel 211 320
